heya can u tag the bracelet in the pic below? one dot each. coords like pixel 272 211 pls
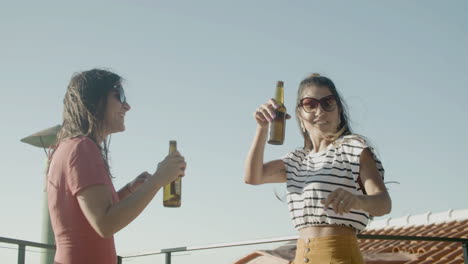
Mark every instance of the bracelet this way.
pixel 128 188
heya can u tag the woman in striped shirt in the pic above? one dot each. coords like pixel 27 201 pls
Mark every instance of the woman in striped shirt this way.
pixel 334 182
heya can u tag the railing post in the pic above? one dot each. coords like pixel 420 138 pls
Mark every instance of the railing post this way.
pixel 465 251
pixel 119 260
pixel 21 254
pixel 168 257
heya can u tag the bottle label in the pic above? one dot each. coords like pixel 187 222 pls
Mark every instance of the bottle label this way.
pixel 177 188
pixel 280 115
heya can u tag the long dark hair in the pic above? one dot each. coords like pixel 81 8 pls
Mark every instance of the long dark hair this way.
pixel 84 107
pixel 317 80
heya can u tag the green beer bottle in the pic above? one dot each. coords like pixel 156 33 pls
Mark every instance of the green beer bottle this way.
pixel 173 191
pixel 278 125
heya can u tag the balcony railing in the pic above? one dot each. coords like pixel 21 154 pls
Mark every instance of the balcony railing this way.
pixel 22 244
pixel 168 251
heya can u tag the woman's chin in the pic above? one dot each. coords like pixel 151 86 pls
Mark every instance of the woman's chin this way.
pixel 325 129
pixel 120 129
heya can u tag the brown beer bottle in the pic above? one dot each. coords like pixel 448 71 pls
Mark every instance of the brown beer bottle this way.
pixel 278 125
pixel 173 191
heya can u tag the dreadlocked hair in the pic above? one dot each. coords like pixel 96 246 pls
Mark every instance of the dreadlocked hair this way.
pixel 84 108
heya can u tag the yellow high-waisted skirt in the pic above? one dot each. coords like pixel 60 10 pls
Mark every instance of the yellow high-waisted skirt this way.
pixel 342 249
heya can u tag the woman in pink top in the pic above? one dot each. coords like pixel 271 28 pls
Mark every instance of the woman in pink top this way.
pixel 85 209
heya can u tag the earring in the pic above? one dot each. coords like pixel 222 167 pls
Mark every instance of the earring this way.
pixel 303 127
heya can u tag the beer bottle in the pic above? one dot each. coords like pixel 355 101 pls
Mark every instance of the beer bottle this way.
pixel 173 191
pixel 277 125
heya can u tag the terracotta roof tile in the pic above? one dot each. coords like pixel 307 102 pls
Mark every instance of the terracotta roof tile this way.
pixel 438 255
pixel 426 251
pixel 421 262
pixel 455 253
pixel 455 261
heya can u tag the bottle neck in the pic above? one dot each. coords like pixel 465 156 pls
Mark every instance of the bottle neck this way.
pixel 279 96
pixel 172 146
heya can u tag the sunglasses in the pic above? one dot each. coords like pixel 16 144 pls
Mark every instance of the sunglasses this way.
pixel 310 104
pixel 120 94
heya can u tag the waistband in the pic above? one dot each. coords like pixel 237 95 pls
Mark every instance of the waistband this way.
pixel 328 241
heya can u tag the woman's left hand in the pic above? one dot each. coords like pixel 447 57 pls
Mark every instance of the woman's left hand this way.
pixel 342 201
pixel 138 181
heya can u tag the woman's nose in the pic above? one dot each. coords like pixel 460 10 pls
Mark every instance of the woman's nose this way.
pixel 318 110
pixel 127 106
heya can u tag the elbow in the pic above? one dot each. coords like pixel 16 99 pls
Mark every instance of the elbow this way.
pixel 249 178
pixel 385 209
pixel 103 230
pixel 382 212
pixel 388 208
pixel 388 205
pixel 250 181
pixel 104 233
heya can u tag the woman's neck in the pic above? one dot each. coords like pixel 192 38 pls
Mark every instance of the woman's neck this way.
pixel 319 141
pixel 99 140
pixel 101 137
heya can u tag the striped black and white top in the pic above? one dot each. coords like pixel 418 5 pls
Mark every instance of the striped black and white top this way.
pixel 311 177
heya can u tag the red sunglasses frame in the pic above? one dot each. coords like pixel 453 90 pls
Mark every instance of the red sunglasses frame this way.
pixel 313 103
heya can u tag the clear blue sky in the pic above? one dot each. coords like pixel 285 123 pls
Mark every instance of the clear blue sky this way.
pixel 196 71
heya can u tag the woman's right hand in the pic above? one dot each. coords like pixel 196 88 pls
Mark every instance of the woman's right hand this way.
pixel 171 167
pixel 266 113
